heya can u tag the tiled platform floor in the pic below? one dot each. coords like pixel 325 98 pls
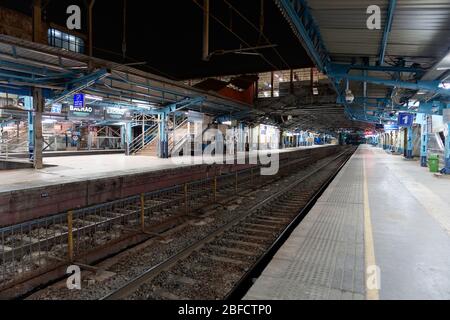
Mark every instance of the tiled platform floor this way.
pixel 409 218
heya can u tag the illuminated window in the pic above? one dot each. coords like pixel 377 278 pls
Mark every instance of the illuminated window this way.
pixel 66 41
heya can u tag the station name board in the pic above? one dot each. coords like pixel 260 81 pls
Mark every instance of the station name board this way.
pixel 86 112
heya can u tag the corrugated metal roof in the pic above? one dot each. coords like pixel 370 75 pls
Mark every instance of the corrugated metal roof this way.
pixel 420 28
pixel 343 27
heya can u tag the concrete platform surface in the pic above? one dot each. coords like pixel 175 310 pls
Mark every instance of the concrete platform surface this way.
pixel 82 181
pixel 67 169
pixel 380 231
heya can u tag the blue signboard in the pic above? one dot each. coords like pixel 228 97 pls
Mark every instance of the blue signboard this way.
pixel 405 119
pixel 78 100
pixel 390 127
pixel 56 108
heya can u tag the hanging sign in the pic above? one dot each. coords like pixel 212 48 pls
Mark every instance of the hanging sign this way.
pixel 114 113
pixel 405 119
pixel 78 100
pixel 390 127
pixel 86 112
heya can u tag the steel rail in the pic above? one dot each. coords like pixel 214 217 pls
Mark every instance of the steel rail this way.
pixel 135 283
pixel 244 283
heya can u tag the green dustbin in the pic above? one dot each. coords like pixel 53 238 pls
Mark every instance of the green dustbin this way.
pixel 433 163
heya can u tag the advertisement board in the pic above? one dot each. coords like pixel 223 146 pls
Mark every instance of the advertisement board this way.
pixel 86 112
pixel 115 113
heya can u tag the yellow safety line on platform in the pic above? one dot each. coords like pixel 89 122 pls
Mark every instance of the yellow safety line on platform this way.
pixel 371 266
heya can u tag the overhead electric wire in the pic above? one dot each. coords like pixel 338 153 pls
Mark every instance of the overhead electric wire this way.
pixel 236 35
pixel 258 30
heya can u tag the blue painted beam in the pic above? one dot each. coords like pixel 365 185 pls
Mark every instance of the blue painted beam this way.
pixel 302 22
pixel 21 91
pixel 345 68
pixel 387 30
pixel 182 104
pixel 431 86
pixel 30 70
pixel 80 84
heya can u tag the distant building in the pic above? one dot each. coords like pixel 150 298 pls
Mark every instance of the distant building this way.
pixel 19 25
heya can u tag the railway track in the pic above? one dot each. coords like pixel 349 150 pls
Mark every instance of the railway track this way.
pixel 216 265
pixel 181 229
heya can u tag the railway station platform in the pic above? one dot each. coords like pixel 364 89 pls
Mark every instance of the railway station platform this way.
pixel 70 182
pixel 381 230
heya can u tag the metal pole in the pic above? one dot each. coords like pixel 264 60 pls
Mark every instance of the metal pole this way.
pixel 205 30
pixel 143 131
pixel 38 104
pixel 446 114
pixel 91 5
pixel 291 85
pixel 409 147
pixel 174 128
pixel 37 21
pixel 424 140
pixel 271 84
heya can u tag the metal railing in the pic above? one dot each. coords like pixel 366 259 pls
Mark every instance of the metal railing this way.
pixel 35 247
pixel 13 150
pixel 143 140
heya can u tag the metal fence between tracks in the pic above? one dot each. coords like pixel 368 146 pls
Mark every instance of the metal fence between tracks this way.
pixel 34 247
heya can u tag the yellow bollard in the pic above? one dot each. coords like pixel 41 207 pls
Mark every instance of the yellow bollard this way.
pixel 142 212
pixel 70 235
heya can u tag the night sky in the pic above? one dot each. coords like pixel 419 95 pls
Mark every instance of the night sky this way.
pixel 167 35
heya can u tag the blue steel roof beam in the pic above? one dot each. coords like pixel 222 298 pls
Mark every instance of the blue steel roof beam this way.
pixel 120 79
pixel 23 91
pixel 182 104
pixel 29 78
pixel 387 30
pixel 378 103
pixel 214 109
pixel 26 69
pixel 81 83
pixel 117 96
pixel 432 86
pixel 147 95
pixel 177 93
pixel 345 68
pixel 296 12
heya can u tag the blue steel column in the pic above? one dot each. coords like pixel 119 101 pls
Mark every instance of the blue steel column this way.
pixel 423 139
pixel 446 170
pixel 241 146
pixel 409 147
pixel 447 151
pixel 28 101
pixel 163 138
pixel 127 137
